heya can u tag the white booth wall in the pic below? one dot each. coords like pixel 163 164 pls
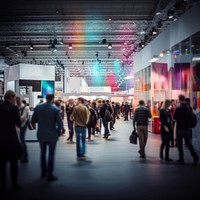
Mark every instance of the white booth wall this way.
pixel 66 81
pixel 28 72
pixel 75 84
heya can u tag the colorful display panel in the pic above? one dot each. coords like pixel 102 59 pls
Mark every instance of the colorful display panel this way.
pixel 47 87
pixel 181 76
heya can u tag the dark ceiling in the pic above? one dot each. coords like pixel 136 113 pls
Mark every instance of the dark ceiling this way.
pixel 50 26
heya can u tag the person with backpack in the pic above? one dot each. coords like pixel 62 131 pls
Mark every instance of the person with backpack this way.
pixel 104 114
pixel 92 121
pixel 182 118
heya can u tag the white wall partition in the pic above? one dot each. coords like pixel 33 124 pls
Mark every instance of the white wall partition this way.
pixel 14 74
pixel 75 84
pixel 37 72
pixel 66 81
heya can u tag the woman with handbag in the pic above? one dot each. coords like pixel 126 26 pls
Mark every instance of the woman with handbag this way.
pixel 166 129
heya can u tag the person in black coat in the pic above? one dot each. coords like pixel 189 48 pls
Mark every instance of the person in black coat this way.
pixel 92 121
pixel 103 109
pixel 166 129
pixel 10 148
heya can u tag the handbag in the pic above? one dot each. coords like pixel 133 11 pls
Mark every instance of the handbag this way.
pixel 29 125
pixel 133 137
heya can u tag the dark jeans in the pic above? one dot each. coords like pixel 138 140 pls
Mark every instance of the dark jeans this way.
pixel 89 131
pixel 51 152
pixel 23 143
pixel 13 171
pixel 126 116
pixel 112 122
pixel 71 129
pixel 105 124
pixel 80 140
pixel 165 137
pixel 184 134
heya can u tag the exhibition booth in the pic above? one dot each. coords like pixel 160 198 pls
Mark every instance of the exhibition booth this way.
pixel 169 66
pixel 30 82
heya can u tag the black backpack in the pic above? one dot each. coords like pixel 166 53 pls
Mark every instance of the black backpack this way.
pixel 107 116
pixel 191 119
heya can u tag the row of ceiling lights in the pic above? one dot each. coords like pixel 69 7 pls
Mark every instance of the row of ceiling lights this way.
pixel 168 14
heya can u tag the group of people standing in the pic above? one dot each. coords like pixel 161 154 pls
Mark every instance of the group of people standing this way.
pixel 48 119
pixel 171 118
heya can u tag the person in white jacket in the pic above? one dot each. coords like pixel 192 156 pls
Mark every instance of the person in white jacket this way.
pixel 24 114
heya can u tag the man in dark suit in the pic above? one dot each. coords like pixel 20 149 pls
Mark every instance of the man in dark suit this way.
pixel 10 148
pixel 49 128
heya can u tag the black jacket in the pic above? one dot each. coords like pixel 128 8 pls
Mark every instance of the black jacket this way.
pixel 9 143
pixel 165 120
pixel 180 116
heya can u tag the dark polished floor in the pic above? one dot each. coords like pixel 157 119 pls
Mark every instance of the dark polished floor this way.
pixel 115 172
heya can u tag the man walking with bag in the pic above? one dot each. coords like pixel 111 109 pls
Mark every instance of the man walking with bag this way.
pixel 141 116
pixel 80 116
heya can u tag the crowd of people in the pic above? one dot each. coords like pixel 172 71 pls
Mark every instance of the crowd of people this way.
pixel 84 119
pixel 173 119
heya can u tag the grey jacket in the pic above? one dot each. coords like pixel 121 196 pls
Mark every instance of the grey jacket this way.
pixel 49 122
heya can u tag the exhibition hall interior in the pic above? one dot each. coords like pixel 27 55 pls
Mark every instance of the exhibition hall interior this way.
pixel 116 50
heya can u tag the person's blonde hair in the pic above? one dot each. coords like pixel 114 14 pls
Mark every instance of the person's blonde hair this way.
pixel 166 104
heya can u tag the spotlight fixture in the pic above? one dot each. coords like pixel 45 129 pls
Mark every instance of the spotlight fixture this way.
pixel 110 19
pixel 55 49
pixel 161 54
pixel 159 24
pixel 109 46
pixel 61 42
pixel 70 46
pixel 170 14
pixel 158 13
pixel 104 41
pixel 142 44
pixel 154 31
pixel 30 45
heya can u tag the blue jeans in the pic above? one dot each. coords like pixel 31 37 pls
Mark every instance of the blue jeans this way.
pixel 80 140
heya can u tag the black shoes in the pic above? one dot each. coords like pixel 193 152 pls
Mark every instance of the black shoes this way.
pixel 16 188
pixel 51 178
pixel 23 160
pixel 142 156
pixel 43 174
pixel 180 160
pixel 196 159
pixel 168 159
